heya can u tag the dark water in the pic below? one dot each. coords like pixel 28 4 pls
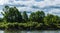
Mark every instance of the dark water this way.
pixel 29 31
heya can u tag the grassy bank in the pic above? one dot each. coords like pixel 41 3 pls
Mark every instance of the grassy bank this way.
pixel 27 26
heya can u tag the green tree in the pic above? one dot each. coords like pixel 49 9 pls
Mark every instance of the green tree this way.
pixel 1 19
pixel 5 14
pixel 39 15
pixel 32 17
pixel 25 16
pixel 11 14
pixel 51 20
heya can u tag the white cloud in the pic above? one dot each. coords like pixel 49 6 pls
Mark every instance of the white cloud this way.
pixel 1 11
pixel 30 3
pixel 27 9
pixel 1 14
pixel 55 11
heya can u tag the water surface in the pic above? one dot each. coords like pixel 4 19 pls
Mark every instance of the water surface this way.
pixel 57 31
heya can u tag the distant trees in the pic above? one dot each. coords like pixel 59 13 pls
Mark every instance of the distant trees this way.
pixel 25 16
pixel 32 17
pixel 11 14
pixel 5 14
pixel 36 20
pixel 1 19
pixel 51 20
pixel 37 16
pixel 48 19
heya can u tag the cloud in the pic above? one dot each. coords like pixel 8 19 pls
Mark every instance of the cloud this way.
pixel 55 11
pixel 1 14
pixel 35 7
pixel 48 6
pixel 21 0
pixel 39 0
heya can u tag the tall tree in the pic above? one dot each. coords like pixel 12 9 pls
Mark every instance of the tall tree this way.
pixel 25 16
pixel 11 14
pixel 39 15
pixel 5 14
pixel 1 19
pixel 32 17
pixel 51 20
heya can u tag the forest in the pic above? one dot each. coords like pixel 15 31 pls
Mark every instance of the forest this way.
pixel 13 19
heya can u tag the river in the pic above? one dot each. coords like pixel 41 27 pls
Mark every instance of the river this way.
pixel 57 31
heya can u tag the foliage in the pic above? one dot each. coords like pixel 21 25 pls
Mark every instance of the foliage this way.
pixel 37 16
pixel 25 16
pixel 36 21
pixel 32 17
pixel 11 14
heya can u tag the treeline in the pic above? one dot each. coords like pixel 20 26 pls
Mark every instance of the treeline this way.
pixel 15 20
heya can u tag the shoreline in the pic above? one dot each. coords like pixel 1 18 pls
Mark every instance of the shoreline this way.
pixel 25 26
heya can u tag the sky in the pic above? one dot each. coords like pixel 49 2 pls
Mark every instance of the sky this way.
pixel 48 6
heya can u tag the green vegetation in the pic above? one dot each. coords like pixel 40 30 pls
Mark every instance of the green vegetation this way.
pixel 13 19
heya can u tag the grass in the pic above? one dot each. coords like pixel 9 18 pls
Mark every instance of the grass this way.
pixel 22 26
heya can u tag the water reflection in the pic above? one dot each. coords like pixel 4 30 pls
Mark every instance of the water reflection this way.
pixel 15 31
pixel 1 31
pixel 29 31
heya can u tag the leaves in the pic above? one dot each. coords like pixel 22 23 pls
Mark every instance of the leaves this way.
pixel 11 14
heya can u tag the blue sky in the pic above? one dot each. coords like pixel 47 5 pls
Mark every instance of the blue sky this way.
pixel 48 6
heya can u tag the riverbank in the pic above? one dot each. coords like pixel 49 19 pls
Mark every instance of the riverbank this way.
pixel 27 26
